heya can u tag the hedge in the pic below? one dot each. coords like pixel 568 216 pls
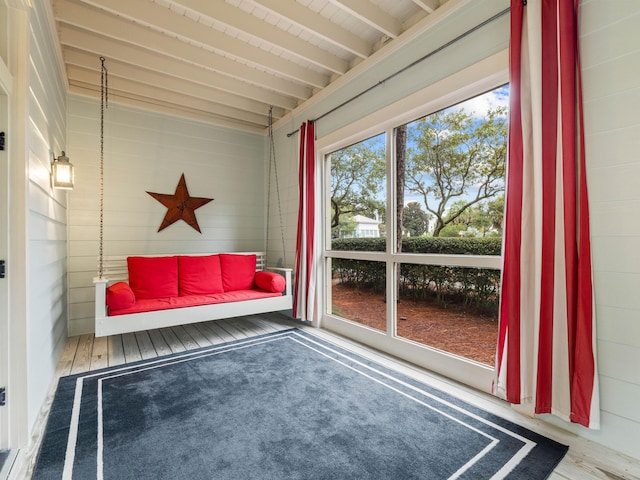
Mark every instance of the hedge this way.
pixel 477 288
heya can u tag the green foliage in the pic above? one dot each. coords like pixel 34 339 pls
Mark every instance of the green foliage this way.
pixel 346 227
pixel 357 177
pixel 475 287
pixel 415 220
pixel 457 160
pixel 453 230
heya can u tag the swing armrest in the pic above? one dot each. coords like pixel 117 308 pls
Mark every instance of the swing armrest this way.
pixel 101 297
pixel 287 275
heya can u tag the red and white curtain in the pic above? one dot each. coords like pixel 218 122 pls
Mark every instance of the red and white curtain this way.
pixel 304 293
pixel 546 355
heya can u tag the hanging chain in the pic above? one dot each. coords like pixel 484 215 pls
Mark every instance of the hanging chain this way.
pixel 269 186
pixel 103 103
pixel 272 159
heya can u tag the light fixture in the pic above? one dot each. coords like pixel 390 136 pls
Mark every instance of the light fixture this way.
pixel 62 172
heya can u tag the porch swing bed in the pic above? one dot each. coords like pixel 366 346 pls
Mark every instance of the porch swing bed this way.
pixel 146 292
pixel 134 293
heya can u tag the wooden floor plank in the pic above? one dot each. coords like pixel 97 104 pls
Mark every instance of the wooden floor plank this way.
pixel 145 345
pixel 281 321
pixel 116 350
pixel 68 354
pixel 259 329
pixel 186 339
pixel 231 329
pixel 266 325
pixel 100 353
pixel 245 327
pixel 172 340
pixel 272 327
pixel 159 343
pixel 211 335
pixel 197 336
pixel 221 332
pixel 130 347
pixel 82 359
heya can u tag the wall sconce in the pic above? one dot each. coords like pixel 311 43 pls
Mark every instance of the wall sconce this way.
pixel 62 172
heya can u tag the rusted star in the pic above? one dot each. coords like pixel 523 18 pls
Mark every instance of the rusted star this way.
pixel 180 206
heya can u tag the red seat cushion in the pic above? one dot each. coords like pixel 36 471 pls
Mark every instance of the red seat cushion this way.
pixel 199 275
pixel 150 305
pixel 238 271
pixel 153 277
pixel 270 281
pixel 119 296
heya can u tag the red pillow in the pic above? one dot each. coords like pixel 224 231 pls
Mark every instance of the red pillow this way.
pixel 238 271
pixel 270 281
pixel 119 296
pixel 199 275
pixel 153 277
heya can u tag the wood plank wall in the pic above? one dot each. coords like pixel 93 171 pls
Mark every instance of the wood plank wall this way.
pixel 46 233
pixel 611 62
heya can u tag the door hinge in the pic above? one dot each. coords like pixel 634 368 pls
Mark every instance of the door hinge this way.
pixel 1 140
pixel 2 272
pixel 3 396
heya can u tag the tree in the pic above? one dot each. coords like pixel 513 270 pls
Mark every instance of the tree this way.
pixel 483 218
pixel 401 164
pixel 456 158
pixel 346 227
pixel 495 210
pixel 416 220
pixel 357 176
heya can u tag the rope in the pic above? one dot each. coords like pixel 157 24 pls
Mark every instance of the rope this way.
pixel 272 160
pixel 103 103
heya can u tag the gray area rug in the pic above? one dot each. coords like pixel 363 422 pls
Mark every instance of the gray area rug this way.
pixel 286 405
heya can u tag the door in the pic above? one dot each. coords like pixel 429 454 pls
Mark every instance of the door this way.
pixel 4 297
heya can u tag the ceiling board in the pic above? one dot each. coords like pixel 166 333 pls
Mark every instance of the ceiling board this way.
pixel 226 62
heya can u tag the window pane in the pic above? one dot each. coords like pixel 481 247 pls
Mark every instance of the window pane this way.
pixel 358 292
pixel 357 196
pixel 452 166
pixel 454 309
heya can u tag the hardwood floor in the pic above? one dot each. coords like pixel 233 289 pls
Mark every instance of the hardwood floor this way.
pixel 85 352
pixel 585 460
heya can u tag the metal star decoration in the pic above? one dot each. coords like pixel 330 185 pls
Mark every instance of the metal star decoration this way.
pixel 180 206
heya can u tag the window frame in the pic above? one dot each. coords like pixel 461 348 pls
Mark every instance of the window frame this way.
pixel 474 80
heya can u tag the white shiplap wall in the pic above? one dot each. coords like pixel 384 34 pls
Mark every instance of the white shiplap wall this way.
pixel 611 76
pixel 46 230
pixel 146 151
pixel 611 68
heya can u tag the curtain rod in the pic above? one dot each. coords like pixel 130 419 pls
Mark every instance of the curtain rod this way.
pixel 412 64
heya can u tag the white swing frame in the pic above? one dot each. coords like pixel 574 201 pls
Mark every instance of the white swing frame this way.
pixel 115 270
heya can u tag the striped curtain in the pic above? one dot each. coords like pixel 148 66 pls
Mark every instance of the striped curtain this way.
pixel 304 295
pixel 546 354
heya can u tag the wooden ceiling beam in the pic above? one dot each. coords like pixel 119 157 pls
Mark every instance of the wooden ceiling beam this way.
pixel 129 32
pixel 98 45
pixel 87 61
pixel 428 6
pixel 88 77
pixel 156 16
pixel 226 14
pixel 317 25
pixel 372 16
pixel 128 99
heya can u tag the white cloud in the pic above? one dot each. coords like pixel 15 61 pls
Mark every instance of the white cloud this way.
pixel 482 103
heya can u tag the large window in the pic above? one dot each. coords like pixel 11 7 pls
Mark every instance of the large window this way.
pixel 415 228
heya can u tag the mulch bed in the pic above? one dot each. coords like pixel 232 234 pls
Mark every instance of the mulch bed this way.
pixel 453 329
